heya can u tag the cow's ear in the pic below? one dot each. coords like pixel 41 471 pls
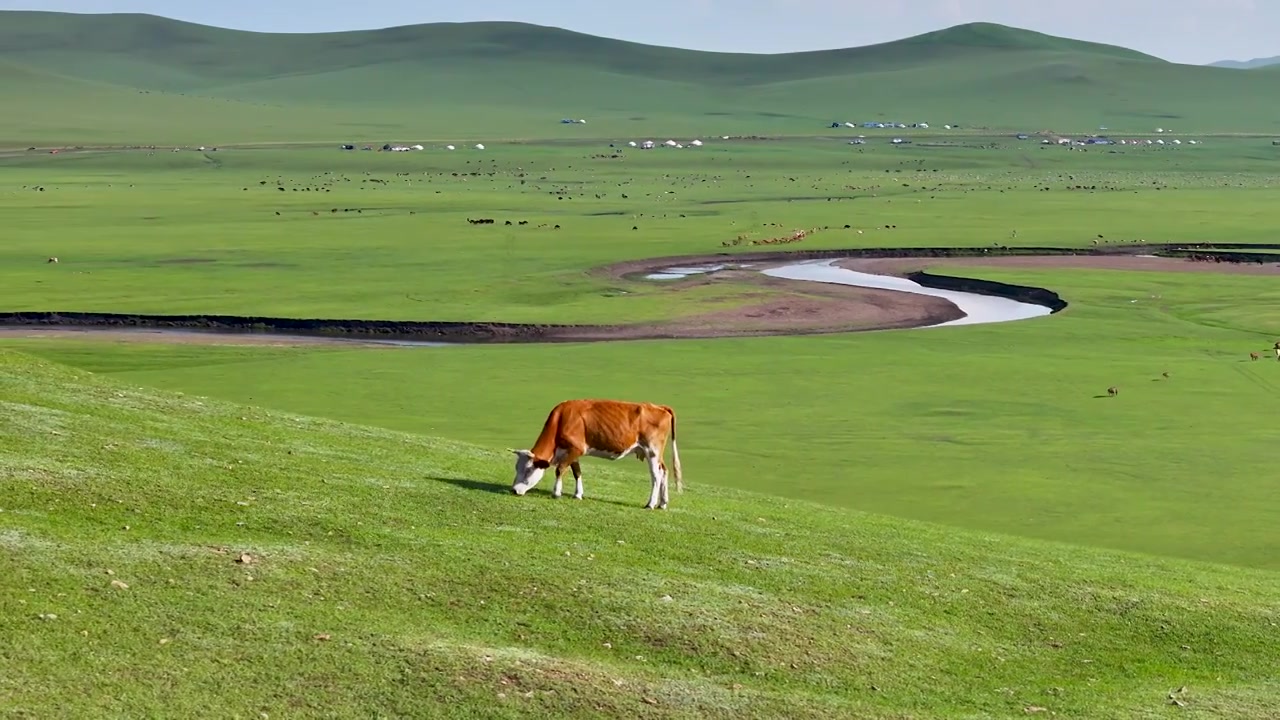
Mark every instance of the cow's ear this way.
pixel 542 464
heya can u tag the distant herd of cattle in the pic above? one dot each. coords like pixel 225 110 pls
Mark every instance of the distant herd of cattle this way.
pixel 490 221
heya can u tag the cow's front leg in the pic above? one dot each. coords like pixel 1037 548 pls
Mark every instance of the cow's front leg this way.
pixel 559 486
pixel 655 474
pixel 577 479
pixel 568 457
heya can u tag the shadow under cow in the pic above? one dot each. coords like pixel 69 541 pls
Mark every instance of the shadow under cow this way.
pixel 505 489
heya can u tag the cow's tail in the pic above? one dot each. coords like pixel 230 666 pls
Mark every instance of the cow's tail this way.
pixel 675 453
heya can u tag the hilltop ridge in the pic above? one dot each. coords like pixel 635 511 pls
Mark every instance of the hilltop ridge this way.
pixel 515 80
pixel 1253 64
pixel 195 47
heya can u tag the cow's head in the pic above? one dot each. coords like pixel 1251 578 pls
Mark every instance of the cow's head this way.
pixel 529 471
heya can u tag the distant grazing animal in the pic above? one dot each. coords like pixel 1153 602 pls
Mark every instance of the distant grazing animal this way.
pixel 1254 356
pixel 1277 348
pixel 52 260
pixel 1113 391
pixel 609 429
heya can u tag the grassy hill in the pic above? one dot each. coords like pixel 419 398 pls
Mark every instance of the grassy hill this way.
pixel 197 55
pixel 168 553
pixel 499 79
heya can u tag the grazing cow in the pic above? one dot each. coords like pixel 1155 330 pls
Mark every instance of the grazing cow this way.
pixel 1277 348
pixel 1113 391
pixel 54 260
pixel 1254 356
pixel 608 429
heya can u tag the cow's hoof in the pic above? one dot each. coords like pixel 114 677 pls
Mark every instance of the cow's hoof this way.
pixel 555 496
pixel 577 497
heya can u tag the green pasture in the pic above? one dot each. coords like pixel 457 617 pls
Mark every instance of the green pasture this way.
pixel 193 232
pixel 167 554
pixel 995 428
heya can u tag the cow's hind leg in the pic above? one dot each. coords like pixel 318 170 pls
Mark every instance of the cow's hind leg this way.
pixel 655 474
pixel 666 483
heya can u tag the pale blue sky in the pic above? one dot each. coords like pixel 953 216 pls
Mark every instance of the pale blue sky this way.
pixel 1190 31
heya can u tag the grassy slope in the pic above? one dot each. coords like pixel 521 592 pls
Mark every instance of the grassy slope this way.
pixel 388 545
pixel 511 80
pixel 57 109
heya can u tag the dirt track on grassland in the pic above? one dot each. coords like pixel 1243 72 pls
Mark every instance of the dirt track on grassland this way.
pixel 772 306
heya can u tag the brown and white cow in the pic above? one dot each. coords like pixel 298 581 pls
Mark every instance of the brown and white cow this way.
pixel 608 429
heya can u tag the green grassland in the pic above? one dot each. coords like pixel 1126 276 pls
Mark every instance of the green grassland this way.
pixel 136 79
pixel 167 555
pixel 992 428
pixel 199 232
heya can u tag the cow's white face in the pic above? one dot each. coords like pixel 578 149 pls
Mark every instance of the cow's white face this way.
pixel 528 472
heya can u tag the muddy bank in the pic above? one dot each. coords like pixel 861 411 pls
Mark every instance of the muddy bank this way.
pixel 1258 264
pixel 779 307
pixel 1229 253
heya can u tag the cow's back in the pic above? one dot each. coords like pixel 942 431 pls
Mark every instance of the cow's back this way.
pixel 607 424
pixel 610 425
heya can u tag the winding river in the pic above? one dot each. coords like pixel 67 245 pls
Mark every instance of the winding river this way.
pixel 978 309
pixel 978 301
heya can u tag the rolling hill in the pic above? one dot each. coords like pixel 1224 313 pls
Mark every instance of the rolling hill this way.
pixel 99 78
